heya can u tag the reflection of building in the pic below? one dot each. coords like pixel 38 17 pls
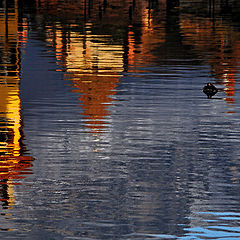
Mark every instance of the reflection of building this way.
pixel 94 64
pixel 93 61
pixel 95 68
pixel 9 85
pixel 12 164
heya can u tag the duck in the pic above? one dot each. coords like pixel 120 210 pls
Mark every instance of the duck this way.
pixel 210 90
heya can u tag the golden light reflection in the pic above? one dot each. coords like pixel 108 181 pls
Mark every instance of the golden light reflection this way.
pixel 13 165
pixel 94 65
pixel 9 86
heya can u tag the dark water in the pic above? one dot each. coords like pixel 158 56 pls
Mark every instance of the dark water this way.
pixel 105 132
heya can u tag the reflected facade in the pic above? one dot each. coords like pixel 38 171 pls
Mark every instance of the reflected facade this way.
pixel 95 66
pixel 13 165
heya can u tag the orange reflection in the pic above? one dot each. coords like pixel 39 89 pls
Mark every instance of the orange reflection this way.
pixel 12 164
pixel 94 65
pixel 94 98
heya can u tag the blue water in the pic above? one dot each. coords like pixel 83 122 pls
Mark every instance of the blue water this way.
pixel 114 138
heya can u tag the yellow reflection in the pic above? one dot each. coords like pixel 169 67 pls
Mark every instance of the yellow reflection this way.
pixel 94 65
pixel 12 165
pixel 9 84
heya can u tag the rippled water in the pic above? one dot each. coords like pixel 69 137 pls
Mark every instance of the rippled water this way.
pixel 105 132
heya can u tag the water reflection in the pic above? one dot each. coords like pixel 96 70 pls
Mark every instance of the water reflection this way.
pixel 13 165
pixel 216 42
pixel 95 61
pixel 94 65
pixel 148 156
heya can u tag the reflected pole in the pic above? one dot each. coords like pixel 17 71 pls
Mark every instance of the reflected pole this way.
pixel 171 4
pixel 85 10
pixel 211 7
pixel 5 7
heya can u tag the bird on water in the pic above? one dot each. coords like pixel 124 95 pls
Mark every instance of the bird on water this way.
pixel 210 90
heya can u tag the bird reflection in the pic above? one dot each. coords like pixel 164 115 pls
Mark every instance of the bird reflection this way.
pixel 210 90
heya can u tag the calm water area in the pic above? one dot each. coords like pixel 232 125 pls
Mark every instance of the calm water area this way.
pixel 105 132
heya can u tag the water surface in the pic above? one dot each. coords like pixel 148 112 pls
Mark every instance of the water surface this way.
pixel 105 132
